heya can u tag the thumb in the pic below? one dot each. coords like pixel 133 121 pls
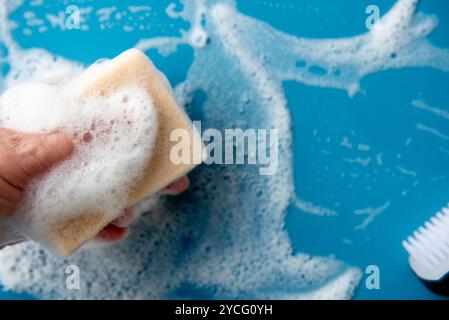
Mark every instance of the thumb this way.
pixel 39 152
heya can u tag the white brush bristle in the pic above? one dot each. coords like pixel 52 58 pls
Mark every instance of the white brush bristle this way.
pixel 429 245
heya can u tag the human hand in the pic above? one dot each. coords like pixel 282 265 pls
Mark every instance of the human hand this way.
pixel 24 156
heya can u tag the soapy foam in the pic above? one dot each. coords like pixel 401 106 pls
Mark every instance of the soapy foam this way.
pixel 397 41
pixel 225 238
pixel 31 64
pixel 119 16
pixel 113 137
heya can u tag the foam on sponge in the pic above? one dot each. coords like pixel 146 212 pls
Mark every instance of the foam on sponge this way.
pixel 114 132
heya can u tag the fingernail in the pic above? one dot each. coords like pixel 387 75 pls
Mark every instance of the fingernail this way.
pixel 125 219
pixel 177 187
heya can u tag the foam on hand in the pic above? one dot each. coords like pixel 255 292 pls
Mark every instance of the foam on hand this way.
pixel 114 136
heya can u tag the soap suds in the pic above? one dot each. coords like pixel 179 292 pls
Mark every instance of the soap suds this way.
pixel 406 171
pixel 31 64
pixel 399 32
pixel 127 18
pixel 371 214
pixel 113 143
pixel 314 209
pixel 225 238
pixel 424 106
pixel 364 147
pixel 364 162
pixel 345 143
pixel 433 131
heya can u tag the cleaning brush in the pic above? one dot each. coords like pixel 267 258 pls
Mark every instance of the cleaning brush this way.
pixel 428 248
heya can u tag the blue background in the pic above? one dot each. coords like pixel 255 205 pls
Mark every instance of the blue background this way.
pixel 382 118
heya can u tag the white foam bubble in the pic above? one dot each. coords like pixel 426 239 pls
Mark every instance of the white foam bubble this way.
pixel 371 214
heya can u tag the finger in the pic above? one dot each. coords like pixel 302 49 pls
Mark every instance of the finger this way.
pixel 37 153
pixel 125 219
pixel 177 187
pixel 12 173
pixel 9 197
pixel 6 208
pixel 112 233
pixel 55 147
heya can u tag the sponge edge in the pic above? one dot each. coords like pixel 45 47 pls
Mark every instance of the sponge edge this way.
pixel 161 171
pixel 134 67
pixel 66 232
